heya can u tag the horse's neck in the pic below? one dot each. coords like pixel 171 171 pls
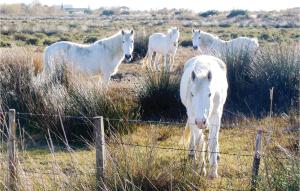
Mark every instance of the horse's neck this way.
pixel 114 45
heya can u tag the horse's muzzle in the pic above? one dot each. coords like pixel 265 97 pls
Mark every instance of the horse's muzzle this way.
pixel 128 57
pixel 195 47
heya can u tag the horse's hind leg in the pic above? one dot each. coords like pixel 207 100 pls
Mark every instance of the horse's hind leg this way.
pixel 156 61
pixel 149 60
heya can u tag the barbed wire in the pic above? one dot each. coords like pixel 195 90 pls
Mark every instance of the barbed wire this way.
pixel 53 115
pixel 179 149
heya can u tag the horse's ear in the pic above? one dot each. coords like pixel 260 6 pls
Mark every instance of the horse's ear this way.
pixel 193 30
pixel 209 76
pixel 199 30
pixel 131 32
pixel 193 75
pixel 123 32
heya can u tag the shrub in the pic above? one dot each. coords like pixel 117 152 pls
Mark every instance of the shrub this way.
pixel 48 41
pixel 209 13
pixel 90 39
pixel 159 97
pixel 277 66
pixel 186 43
pixel 21 37
pixel 5 44
pixel 250 79
pixel 237 12
pixel 32 41
pixel 140 46
pixel 58 93
pixel 107 13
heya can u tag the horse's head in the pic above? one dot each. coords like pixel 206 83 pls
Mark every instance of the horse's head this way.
pixel 127 44
pixel 201 98
pixel 196 38
pixel 174 35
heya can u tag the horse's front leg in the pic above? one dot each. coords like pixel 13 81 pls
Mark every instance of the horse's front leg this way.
pixel 213 143
pixel 156 61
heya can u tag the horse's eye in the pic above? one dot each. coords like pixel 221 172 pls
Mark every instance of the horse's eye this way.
pixel 199 37
pixel 209 94
pixel 132 41
pixel 123 41
pixel 192 94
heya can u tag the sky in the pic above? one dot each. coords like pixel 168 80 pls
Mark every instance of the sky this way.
pixel 196 5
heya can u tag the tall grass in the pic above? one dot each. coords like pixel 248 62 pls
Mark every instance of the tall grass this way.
pixel 159 96
pixel 60 93
pixel 250 78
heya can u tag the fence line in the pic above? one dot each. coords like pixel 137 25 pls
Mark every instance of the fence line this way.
pixel 100 145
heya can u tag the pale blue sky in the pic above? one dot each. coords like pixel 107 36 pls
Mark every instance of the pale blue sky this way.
pixel 197 5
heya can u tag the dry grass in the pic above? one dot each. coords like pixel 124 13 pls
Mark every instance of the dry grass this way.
pixel 136 168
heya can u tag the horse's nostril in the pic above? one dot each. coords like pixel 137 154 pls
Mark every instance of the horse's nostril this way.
pixel 127 56
pixel 204 122
pixel 195 47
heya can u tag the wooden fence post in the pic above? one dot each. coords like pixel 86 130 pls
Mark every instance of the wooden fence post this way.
pixel 256 160
pixel 11 146
pixel 100 151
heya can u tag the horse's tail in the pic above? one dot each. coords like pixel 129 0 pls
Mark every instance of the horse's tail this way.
pixel 255 41
pixel 186 136
pixel 47 61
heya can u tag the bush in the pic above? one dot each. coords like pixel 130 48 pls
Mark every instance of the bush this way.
pixel 277 66
pixel 159 97
pixel 47 42
pixel 90 39
pixel 186 43
pixel 32 41
pixel 21 37
pixel 5 44
pixel 237 12
pixel 107 13
pixel 58 93
pixel 140 46
pixel 209 13
pixel 251 77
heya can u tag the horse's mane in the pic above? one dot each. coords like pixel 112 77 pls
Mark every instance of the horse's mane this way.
pixel 210 36
pixel 170 30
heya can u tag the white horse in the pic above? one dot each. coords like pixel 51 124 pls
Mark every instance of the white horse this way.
pixel 165 45
pixel 103 56
pixel 203 91
pixel 213 45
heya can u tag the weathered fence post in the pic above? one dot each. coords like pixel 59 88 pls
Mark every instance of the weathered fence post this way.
pixel 100 151
pixel 11 146
pixel 256 160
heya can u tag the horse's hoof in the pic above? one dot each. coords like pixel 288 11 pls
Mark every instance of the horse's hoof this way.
pixel 213 175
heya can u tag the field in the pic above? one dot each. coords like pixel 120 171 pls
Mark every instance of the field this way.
pixel 58 153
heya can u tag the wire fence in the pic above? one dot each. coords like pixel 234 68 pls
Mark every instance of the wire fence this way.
pixel 25 115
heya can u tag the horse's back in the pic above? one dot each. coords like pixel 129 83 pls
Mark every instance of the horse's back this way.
pixel 244 43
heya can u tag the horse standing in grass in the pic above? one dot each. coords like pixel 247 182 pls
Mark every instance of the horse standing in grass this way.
pixel 103 56
pixel 203 91
pixel 165 45
pixel 212 45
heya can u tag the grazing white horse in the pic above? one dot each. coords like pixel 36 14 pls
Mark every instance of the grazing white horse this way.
pixel 203 91
pixel 103 56
pixel 212 45
pixel 165 45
